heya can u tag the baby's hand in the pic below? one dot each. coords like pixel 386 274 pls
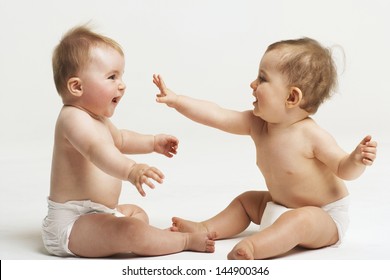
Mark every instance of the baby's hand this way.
pixel 165 96
pixel 166 145
pixel 366 151
pixel 140 173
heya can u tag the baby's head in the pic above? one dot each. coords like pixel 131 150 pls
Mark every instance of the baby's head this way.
pixel 73 53
pixel 310 67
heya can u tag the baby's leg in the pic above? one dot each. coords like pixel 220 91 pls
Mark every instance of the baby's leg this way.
pixel 309 227
pixel 132 210
pixel 100 235
pixel 235 218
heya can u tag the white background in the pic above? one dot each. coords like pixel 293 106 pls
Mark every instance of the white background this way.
pixel 205 49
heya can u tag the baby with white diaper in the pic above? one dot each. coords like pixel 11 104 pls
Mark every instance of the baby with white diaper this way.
pixel 89 161
pixel 306 203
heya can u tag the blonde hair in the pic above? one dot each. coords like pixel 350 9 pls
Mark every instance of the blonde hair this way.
pixel 73 53
pixel 310 67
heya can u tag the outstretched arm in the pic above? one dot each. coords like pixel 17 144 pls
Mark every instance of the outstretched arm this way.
pixel 354 164
pixel 204 112
pixel 130 142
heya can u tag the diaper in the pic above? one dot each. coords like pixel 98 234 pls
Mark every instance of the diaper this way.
pixel 58 223
pixel 338 210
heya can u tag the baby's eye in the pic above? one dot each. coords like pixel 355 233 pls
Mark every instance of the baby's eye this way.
pixel 112 77
pixel 262 79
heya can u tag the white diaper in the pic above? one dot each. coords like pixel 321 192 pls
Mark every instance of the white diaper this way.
pixel 58 223
pixel 338 210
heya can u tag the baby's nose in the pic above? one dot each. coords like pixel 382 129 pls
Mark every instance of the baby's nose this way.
pixel 122 86
pixel 253 84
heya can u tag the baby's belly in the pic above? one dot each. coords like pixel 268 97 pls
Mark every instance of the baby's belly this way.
pixel 299 194
pixel 107 195
pixel 104 191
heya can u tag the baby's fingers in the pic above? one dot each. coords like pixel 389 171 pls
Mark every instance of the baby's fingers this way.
pixel 366 139
pixel 140 189
pixel 372 144
pixel 171 152
pixel 367 161
pixel 155 174
pixel 159 82
pixel 156 79
pixel 369 155
pixel 143 180
pixel 148 183
pixel 152 173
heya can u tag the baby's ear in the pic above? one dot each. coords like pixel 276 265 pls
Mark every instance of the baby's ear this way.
pixel 294 98
pixel 75 87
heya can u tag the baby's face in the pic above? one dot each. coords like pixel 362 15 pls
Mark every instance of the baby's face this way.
pixel 101 81
pixel 270 89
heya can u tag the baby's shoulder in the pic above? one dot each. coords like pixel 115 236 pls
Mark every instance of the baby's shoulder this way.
pixel 73 118
pixel 74 115
pixel 309 126
pixel 314 132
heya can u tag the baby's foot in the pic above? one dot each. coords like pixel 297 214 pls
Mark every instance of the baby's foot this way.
pixel 242 251
pixel 200 242
pixel 181 225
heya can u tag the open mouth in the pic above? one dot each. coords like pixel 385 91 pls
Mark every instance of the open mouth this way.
pixel 115 99
pixel 254 102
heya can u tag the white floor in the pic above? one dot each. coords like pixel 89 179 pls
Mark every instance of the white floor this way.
pixel 197 186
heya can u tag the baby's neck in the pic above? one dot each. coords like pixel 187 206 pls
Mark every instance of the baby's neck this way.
pixel 97 117
pixel 290 120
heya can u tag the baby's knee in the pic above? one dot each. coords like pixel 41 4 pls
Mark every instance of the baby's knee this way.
pixel 134 211
pixel 247 196
pixel 140 213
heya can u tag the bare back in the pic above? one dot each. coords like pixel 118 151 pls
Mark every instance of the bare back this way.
pixel 73 176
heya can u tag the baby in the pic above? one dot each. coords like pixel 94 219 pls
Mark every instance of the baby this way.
pixel 89 162
pixel 307 201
